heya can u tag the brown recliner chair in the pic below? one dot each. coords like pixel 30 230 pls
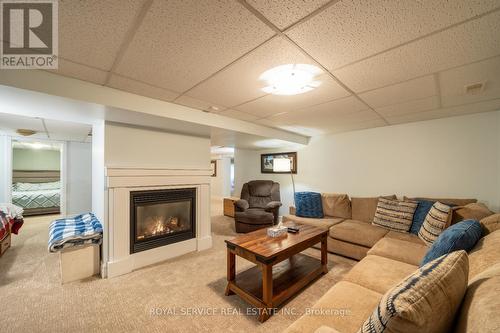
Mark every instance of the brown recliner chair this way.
pixel 258 207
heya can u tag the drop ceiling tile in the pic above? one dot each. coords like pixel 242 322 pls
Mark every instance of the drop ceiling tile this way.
pixel 182 42
pixel 143 89
pixel 341 110
pixel 91 32
pixel 454 81
pixel 401 92
pixel 347 27
pixel 285 13
pixel 10 122
pixel 419 105
pixel 198 104
pixel 486 106
pixel 81 72
pixel 466 43
pixel 275 104
pixel 238 115
pixel 240 83
pixel 67 131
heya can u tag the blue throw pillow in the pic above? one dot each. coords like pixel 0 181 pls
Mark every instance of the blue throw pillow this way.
pixel 423 208
pixel 461 236
pixel 308 204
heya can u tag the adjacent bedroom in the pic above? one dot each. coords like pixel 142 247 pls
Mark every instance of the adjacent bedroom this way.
pixel 45 174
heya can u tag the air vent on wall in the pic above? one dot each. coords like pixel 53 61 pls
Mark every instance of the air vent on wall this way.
pixel 474 89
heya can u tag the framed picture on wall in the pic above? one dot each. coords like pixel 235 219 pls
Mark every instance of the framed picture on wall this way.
pixel 213 166
pixel 266 161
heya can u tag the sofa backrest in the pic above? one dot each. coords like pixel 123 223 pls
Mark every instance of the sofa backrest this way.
pixel 363 209
pixel 336 205
pixel 479 309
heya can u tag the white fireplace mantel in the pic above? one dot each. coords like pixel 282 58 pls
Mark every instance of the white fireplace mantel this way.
pixel 120 182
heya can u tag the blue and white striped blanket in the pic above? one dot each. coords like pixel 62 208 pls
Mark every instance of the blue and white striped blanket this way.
pixel 74 231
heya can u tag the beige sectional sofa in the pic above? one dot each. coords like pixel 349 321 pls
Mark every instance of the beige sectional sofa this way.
pixel 351 233
pixel 386 259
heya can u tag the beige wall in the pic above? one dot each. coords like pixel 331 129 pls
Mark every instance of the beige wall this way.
pixel 36 159
pixel 137 147
pixel 457 157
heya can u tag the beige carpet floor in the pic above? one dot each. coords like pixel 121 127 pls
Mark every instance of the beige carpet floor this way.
pixel 157 298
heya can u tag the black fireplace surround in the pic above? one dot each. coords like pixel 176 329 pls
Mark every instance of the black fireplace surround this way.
pixel 161 217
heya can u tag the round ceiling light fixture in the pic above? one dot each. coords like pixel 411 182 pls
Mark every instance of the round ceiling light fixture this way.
pixel 290 79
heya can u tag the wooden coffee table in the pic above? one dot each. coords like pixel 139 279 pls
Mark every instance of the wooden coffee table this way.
pixel 281 271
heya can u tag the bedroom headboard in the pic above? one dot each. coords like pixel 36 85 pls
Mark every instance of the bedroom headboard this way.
pixel 35 176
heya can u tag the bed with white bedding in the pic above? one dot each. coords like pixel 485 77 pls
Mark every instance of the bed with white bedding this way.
pixel 40 193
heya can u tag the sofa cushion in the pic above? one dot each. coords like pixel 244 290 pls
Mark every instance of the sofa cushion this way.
pixel 479 309
pixel 447 201
pixel 423 208
pixel 426 301
pixel 405 237
pixel 357 232
pixel 326 329
pixel 363 209
pixel 324 223
pixel 336 205
pixel 378 273
pixel 346 249
pixel 400 250
pixel 461 236
pixel 308 204
pixel 355 301
pixel 485 254
pixel 394 215
pixel 435 222
pixel 473 211
pixel 490 223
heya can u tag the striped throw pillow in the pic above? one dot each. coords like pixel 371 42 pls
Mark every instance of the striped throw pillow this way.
pixel 426 301
pixel 435 222
pixel 394 214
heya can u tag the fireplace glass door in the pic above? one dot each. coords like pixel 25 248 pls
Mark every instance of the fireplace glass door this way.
pixel 161 217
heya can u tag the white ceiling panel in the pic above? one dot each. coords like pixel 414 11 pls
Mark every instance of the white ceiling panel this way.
pixel 240 83
pixel 454 81
pixel 492 105
pixel 182 42
pixel 352 30
pixel 9 122
pixel 198 104
pixel 355 126
pixel 62 130
pixel 284 13
pixel 274 104
pixel 419 105
pixel 238 115
pixel 323 116
pixel 91 32
pixel 143 89
pixel 473 41
pixel 401 92
pixel 81 72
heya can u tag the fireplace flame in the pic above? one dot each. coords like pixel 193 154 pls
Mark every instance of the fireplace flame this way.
pixel 159 226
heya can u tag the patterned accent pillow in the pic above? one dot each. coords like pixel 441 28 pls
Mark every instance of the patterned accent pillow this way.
pixel 423 208
pixel 394 214
pixel 308 204
pixel 435 222
pixel 426 301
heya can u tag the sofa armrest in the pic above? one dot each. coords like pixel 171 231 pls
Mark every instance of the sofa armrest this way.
pixel 241 205
pixel 292 210
pixel 272 205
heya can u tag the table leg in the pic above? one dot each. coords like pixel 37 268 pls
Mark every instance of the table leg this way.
pixel 231 271
pixel 267 292
pixel 324 255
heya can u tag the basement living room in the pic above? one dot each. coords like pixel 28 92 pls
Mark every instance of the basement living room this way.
pixel 322 166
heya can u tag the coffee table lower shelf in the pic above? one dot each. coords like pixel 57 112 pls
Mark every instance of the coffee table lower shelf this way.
pixel 287 278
